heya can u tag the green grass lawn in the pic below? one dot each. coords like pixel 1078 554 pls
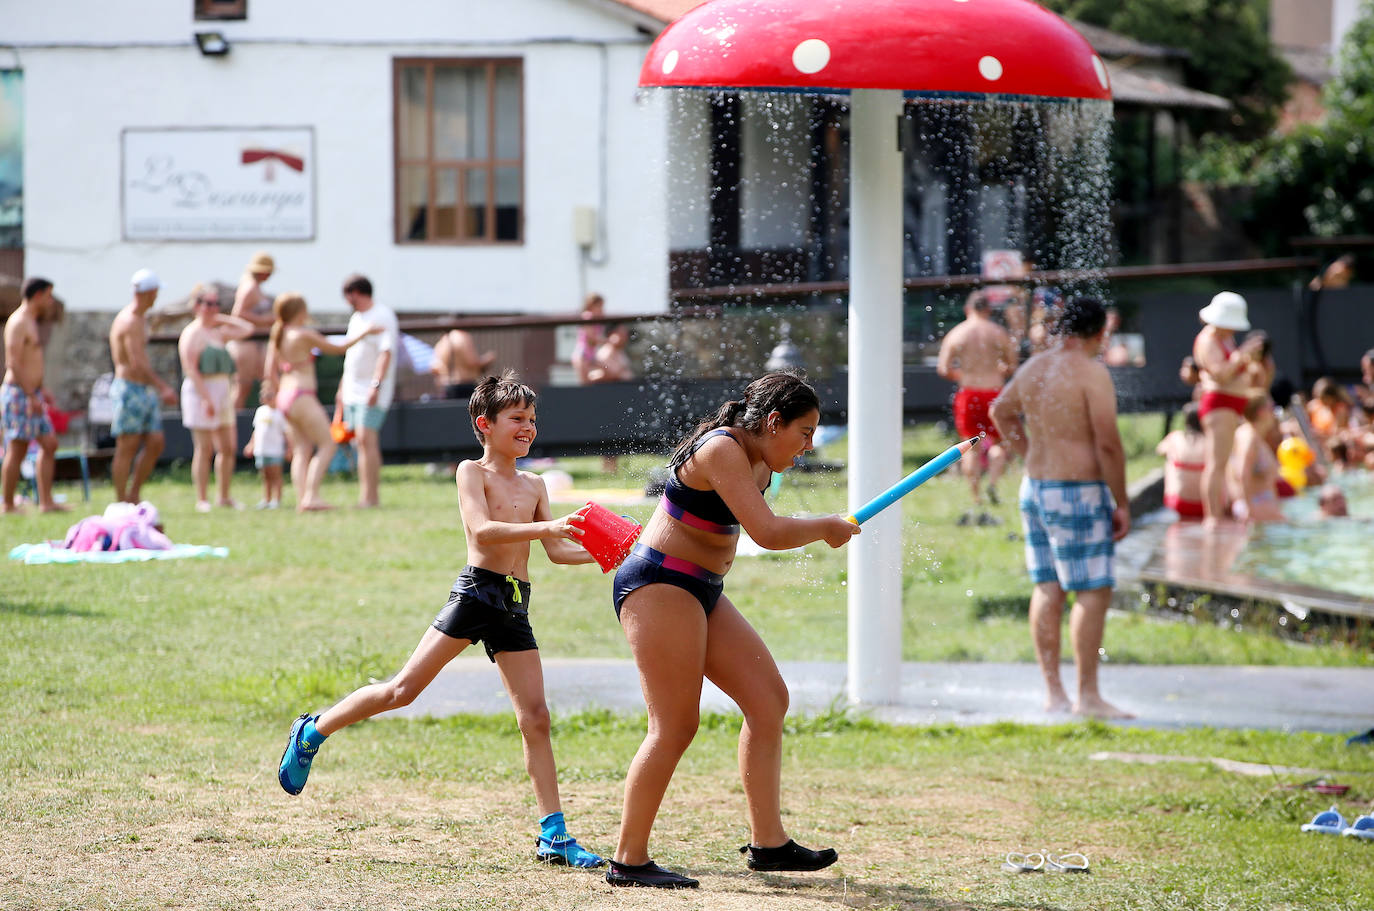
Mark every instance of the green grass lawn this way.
pixel 148 702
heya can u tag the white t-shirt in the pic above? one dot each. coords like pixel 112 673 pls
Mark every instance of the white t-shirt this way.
pixel 360 361
pixel 269 432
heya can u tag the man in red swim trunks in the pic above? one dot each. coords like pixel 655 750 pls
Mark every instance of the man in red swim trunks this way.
pixel 1223 382
pixel 978 355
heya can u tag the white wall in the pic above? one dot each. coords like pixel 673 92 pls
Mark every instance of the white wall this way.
pixel 78 99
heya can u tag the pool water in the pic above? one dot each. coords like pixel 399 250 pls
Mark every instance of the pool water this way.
pixel 1334 554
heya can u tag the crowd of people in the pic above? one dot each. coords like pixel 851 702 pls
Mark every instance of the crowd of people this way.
pixel 221 361
pixel 1248 439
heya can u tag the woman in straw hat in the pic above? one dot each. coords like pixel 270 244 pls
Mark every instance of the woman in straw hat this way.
pixel 251 304
pixel 1223 382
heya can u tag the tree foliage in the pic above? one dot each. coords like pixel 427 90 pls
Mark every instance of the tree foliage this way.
pixel 1319 179
pixel 1229 53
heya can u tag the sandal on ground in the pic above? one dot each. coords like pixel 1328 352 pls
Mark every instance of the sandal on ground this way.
pixel 1327 822
pixel 791 856
pixel 1072 862
pixel 1361 828
pixel 1017 862
pixel 650 875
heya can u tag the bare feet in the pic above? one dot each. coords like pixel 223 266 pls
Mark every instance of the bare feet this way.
pixel 230 504
pixel 12 508
pixel 1057 705
pixel 1097 707
pixel 55 507
pixel 314 507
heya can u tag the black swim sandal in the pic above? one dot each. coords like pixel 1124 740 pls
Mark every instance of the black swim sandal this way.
pixel 790 856
pixel 650 874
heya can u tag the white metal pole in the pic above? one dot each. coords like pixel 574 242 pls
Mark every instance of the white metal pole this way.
pixel 875 392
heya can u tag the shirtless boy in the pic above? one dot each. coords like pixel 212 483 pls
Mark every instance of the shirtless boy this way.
pixel 137 392
pixel 1059 413
pixel 978 355
pixel 503 510
pixel 22 414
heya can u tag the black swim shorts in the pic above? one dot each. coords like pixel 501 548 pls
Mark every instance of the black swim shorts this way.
pixel 490 608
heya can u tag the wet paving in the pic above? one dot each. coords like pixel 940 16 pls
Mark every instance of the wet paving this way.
pixel 1337 700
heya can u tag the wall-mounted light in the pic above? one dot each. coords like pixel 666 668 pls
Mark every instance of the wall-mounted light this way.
pixel 212 44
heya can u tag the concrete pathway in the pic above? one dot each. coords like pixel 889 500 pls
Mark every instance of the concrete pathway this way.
pixel 1285 698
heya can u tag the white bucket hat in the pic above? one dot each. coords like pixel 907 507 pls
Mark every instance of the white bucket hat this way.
pixel 1226 311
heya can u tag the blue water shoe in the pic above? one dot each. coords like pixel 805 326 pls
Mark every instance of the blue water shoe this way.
pixel 296 758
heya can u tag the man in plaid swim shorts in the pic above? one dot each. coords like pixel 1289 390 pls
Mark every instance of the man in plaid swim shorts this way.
pixel 1059 413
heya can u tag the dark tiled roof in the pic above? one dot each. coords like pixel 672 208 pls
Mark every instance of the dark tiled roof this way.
pixel 1130 87
pixel 1109 44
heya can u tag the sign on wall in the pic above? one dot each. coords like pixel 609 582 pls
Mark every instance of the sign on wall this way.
pixel 221 183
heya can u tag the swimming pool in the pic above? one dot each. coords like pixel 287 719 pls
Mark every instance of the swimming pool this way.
pixel 1332 554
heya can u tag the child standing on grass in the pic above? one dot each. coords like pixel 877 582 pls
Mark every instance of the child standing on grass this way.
pixel 503 510
pixel 683 630
pixel 267 448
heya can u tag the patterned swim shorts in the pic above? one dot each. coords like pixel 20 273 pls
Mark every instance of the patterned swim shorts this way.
pixel 136 408
pixel 16 420
pixel 1068 527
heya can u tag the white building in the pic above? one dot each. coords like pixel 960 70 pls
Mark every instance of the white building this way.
pixel 468 155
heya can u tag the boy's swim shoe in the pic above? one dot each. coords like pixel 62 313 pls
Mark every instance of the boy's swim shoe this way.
pixel 563 850
pixel 295 759
pixel 790 856
pixel 650 875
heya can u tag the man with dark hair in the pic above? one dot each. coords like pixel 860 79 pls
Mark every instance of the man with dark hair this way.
pixel 978 355
pixel 368 383
pixel 1059 413
pixel 23 415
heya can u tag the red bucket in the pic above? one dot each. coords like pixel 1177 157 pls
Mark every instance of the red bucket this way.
pixel 607 536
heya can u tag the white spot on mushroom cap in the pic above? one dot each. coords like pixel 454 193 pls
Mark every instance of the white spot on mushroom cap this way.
pixel 990 68
pixel 811 56
pixel 1101 69
pixel 669 62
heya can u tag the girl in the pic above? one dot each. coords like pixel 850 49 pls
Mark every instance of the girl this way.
pixel 682 629
pixel 291 353
pixel 207 392
pixel 1185 455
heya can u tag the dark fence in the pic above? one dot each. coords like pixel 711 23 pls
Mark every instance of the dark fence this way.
pixel 694 357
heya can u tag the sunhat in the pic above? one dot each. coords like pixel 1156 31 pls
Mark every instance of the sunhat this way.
pixel 1226 311
pixel 146 280
pixel 261 262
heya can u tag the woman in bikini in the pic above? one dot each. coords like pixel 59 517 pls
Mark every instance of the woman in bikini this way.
pixel 1253 471
pixel 1223 381
pixel 1185 453
pixel 253 305
pixel 291 353
pixel 683 630
pixel 207 393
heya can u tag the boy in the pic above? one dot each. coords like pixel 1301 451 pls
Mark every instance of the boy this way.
pixel 503 510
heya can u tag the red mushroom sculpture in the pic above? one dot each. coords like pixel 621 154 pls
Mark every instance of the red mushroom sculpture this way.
pixel 877 51
pixel 944 47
